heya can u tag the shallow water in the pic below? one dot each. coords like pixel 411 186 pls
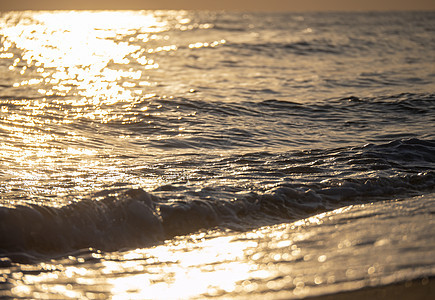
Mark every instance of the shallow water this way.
pixel 186 132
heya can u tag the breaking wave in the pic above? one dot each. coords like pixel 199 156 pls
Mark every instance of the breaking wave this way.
pixel 125 218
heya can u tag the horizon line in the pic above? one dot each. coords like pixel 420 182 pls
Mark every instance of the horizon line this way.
pixel 228 10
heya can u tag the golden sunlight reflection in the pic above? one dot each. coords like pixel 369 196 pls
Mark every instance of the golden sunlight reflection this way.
pixel 68 67
pixel 283 261
pixel 185 269
pixel 280 258
pixel 82 54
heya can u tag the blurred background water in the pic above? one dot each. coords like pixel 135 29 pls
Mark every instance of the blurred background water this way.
pixel 133 141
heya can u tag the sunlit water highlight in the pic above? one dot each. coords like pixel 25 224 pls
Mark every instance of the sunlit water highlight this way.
pixel 175 154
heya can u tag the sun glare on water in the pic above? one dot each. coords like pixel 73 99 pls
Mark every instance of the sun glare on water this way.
pixel 76 49
pixel 186 274
pixel 69 66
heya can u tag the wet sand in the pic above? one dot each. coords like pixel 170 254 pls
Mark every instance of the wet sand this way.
pixel 413 290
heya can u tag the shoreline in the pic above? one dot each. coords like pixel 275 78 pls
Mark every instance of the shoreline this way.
pixel 415 289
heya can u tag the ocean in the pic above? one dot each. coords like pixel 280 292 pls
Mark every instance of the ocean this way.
pixel 195 154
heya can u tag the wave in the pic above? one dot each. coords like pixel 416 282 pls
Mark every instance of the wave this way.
pixel 297 48
pixel 351 106
pixel 124 218
pixel 200 124
pixel 404 102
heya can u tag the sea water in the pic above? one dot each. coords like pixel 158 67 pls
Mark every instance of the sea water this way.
pixel 181 154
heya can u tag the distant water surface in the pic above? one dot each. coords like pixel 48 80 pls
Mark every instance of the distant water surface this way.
pixel 256 153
